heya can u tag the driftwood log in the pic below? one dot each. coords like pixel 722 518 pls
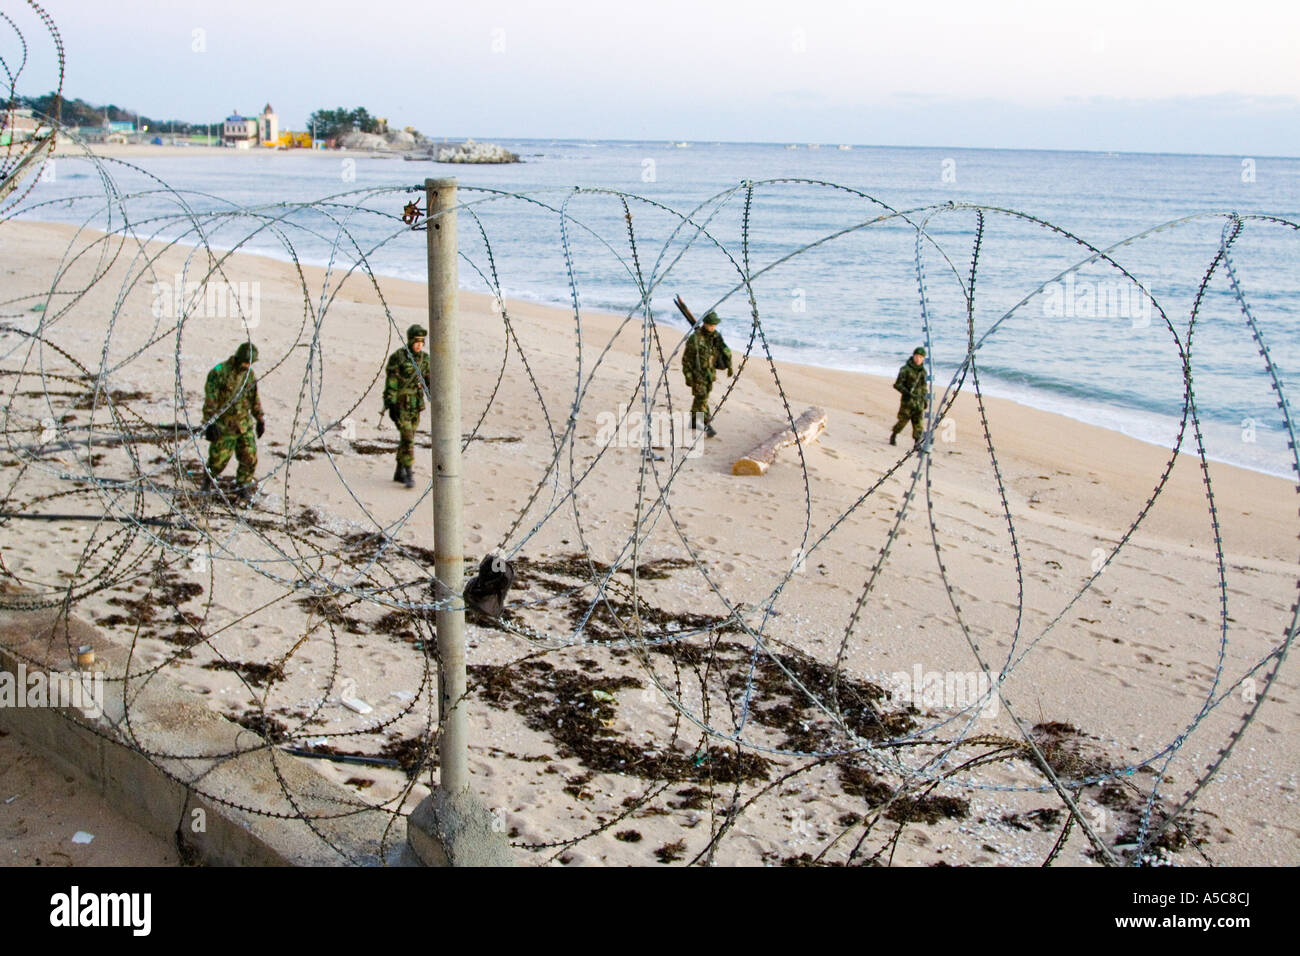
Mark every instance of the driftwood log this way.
pixel 806 428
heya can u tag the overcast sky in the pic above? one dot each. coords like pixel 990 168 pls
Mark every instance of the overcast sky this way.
pixel 1188 76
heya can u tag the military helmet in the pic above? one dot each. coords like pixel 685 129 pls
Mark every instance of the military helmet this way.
pixel 416 332
pixel 246 354
pixel 710 318
pixel 919 350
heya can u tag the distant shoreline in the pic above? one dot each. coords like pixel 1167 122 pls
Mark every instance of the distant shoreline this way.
pixel 143 150
pixel 129 151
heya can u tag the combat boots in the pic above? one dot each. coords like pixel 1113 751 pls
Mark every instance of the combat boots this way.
pixel 708 428
pixel 408 479
pixel 399 474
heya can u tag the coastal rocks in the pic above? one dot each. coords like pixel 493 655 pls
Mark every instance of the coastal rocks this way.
pixel 358 140
pixel 396 140
pixel 415 147
pixel 470 152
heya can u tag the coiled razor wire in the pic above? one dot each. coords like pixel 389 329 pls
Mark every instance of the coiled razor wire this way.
pixel 143 525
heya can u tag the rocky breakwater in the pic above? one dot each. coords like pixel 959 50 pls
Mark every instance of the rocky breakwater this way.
pixel 467 152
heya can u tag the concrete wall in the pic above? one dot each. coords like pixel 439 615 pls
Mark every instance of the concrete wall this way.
pixel 143 767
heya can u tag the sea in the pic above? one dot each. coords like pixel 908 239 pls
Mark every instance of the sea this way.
pixel 1078 299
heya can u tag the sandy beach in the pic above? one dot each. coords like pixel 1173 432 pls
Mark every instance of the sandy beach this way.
pixel 45 806
pixel 589 715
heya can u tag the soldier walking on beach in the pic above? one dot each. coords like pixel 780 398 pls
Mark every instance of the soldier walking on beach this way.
pixel 914 397
pixel 234 415
pixel 408 377
pixel 702 356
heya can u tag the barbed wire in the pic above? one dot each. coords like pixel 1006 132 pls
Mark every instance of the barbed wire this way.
pixel 726 675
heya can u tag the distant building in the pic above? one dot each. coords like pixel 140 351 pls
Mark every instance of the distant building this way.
pixel 245 132
pixel 268 127
pixel 239 132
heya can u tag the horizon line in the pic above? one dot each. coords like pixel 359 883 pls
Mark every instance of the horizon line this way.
pixel 835 145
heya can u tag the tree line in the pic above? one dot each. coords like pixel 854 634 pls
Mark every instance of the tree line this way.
pixel 77 112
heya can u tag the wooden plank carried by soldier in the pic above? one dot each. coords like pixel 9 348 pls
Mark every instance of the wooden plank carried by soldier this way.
pixel 806 428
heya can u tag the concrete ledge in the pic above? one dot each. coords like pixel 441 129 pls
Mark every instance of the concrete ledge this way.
pixel 145 769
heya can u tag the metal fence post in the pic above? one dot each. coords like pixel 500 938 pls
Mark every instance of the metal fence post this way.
pixel 450 827
pixel 448 540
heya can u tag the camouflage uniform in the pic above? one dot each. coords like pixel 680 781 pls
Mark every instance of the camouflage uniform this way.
pixel 911 384
pixel 700 365
pixel 408 377
pixel 231 406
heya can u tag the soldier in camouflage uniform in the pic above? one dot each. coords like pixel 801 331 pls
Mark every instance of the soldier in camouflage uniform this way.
pixel 912 387
pixel 234 415
pixel 702 356
pixel 408 377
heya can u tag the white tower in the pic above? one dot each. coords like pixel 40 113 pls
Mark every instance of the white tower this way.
pixel 268 126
